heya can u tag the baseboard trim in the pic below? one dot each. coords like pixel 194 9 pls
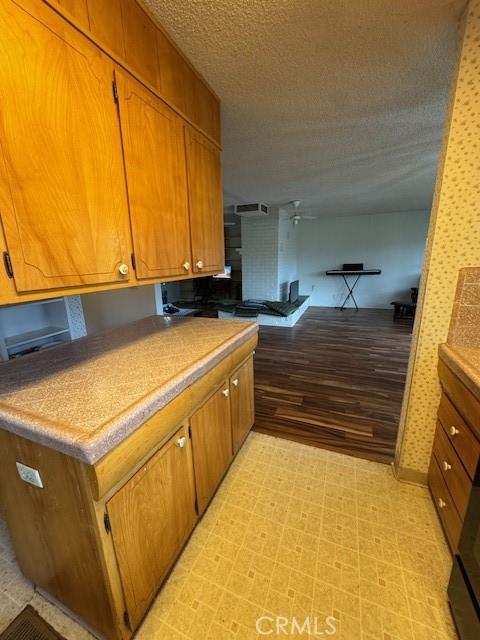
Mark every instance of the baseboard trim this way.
pixel 410 476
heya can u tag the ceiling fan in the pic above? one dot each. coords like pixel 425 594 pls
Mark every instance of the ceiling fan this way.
pixel 296 217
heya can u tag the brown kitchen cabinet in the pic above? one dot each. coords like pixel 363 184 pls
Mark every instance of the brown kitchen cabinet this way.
pixel 242 403
pixel 65 220
pixel 150 519
pixel 140 38
pixel 212 444
pixel 101 537
pixel 130 32
pixel 77 9
pixel 63 197
pixel 205 202
pixel 153 142
pixel 105 20
pixel 455 452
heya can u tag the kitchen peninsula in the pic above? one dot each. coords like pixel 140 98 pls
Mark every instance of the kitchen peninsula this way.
pixel 112 447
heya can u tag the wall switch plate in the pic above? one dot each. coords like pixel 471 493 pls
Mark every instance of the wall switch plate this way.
pixel 30 475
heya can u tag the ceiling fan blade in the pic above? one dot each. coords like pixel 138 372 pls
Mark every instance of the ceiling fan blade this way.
pixel 309 217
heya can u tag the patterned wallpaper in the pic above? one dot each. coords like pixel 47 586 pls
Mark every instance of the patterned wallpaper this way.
pixel 453 243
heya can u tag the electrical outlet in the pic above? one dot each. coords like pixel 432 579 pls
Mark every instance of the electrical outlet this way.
pixel 27 474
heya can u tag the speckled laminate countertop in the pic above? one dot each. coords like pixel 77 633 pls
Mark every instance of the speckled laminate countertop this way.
pixel 85 397
pixel 465 363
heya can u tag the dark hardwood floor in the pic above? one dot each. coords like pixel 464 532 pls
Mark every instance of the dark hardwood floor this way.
pixel 335 380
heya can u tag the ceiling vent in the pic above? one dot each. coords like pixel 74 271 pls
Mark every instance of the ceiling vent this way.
pixel 257 209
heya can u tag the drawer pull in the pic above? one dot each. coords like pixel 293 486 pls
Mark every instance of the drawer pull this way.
pixel 199 264
pixel 123 269
pixel 235 382
pixel 454 431
pixel 186 266
pixel 446 466
pixel 182 442
pixel 441 503
pixel 226 393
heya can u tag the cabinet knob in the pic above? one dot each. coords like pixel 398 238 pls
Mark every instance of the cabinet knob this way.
pixel 441 503
pixel 226 393
pixel 186 266
pixel 454 431
pixel 182 441
pixel 199 264
pixel 446 466
pixel 123 269
pixel 235 382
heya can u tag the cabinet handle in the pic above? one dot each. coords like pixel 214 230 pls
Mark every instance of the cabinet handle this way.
pixel 446 466
pixel 226 393
pixel 182 441
pixel 186 266
pixel 199 264
pixel 441 503
pixel 454 431
pixel 123 269
pixel 235 382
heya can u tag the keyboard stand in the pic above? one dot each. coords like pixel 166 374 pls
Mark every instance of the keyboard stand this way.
pixel 358 275
pixel 350 292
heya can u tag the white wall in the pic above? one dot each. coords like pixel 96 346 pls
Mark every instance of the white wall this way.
pixel 260 257
pixel 287 256
pixel 392 242
pixel 107 309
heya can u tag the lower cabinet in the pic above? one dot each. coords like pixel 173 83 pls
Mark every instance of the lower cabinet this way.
pixel 102 538
pixel 455 453
pixel 242 403
pixel 212 444
pixel 150 519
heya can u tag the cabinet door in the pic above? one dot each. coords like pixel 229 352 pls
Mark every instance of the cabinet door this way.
pixel 171 67
pixel 153 142
pixel 140 37
pixel 105 18
pixel 206 203
pixel 242 403
pixel 63 196
pixel 151 517
pixel 212 444
pixel 77 9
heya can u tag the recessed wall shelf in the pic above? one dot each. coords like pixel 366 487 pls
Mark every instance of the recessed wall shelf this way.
pixel 39 324
pixel 33 336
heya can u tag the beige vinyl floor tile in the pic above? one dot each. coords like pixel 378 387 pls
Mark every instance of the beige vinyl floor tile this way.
pixel 295 532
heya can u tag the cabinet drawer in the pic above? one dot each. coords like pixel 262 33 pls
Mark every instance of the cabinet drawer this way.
pixel 447 512
pixel 452 470
pixel 459 434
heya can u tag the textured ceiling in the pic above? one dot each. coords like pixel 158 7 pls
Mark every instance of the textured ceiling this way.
pixel 338 103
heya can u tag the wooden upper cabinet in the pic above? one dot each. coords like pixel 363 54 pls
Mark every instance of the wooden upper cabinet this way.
pixel 151 517
pixel 62 190
pixel 242 403
pixel 184 89
pixel 105 18
pixel 212 444
pixel 205 202
pixel 77 9
pixel 153 141
pixel 140 37
pixel 128 31
pixel 170 72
